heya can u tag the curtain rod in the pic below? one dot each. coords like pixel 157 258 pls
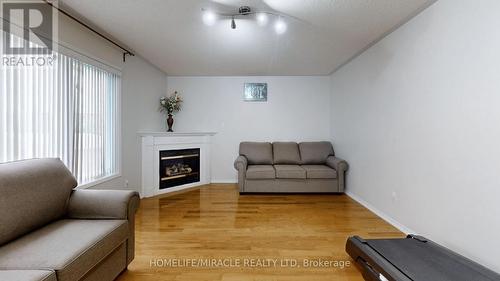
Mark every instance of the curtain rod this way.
pixel 126 52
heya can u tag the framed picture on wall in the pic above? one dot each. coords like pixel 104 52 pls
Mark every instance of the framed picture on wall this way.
pixel 255 92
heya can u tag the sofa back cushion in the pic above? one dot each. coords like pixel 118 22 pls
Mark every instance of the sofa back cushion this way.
pixel 315 153
pixel 257 153
pixel 33 193
pixel 286 153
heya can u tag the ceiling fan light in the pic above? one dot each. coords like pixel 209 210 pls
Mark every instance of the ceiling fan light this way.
pixel 262 19
pixel 209 18
pixel 280 26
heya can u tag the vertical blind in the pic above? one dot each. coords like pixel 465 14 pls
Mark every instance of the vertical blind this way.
pixel 68 110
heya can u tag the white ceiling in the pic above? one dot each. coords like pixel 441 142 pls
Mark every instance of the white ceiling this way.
pixel 171 34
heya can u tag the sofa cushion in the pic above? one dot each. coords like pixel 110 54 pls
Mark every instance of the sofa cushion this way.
pixel 286 153
pixel 319 172
pixel 27 275
pixel 257 153
pixel 70 247
pixel 289 172
pixel 260 172
pixel 315 152
pixel 33 193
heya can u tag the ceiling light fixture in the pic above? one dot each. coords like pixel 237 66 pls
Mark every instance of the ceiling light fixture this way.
pixel 244 12
pixel 280 26
pixel 262 19
pixel 209 17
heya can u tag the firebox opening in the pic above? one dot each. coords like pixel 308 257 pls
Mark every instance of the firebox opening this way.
pixel 178 167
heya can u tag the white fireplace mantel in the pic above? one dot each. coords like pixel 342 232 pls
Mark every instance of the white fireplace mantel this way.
pixel 176 134
pixel 154 142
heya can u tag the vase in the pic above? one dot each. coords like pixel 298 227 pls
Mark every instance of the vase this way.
pixel 170 123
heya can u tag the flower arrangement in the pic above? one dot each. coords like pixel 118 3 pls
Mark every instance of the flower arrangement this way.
pixel 171 104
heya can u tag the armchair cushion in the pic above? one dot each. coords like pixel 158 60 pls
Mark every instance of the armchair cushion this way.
pixel 257 153
pixel 70 247
pixel 27 275
pixel 102 204
pixel 286 153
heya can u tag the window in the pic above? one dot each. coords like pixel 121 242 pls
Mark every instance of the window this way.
pixel 68 110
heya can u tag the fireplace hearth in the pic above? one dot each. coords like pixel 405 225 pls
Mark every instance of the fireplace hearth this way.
pixel 179 167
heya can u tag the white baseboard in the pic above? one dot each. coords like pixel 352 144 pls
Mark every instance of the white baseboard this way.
pixel 223 181
pixel 381 214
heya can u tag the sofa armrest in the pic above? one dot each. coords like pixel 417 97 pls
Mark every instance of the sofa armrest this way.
pixel 241 164
pixel 337 163
pixel 341 167
pixel 103 204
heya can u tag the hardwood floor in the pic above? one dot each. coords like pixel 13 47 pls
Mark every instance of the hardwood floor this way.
pixel 215 223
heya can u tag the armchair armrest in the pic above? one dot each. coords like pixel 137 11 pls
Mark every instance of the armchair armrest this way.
pixel 103 204
pixel 241 163
pixel 338 164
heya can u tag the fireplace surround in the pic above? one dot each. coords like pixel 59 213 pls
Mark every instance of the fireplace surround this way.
pixel 174 161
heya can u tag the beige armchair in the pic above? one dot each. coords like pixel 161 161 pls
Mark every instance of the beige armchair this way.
pixel 51 231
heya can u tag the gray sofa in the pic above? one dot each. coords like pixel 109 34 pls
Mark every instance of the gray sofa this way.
pixel 289 167
pixel 51 231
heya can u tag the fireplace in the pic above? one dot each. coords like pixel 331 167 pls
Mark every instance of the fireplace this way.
pixel 178 167
pixel 157 145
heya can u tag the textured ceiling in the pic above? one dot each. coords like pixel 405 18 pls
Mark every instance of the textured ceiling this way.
pixel 321 36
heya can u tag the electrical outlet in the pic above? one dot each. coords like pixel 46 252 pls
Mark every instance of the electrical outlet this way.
pixel 126 183
pixel 394 196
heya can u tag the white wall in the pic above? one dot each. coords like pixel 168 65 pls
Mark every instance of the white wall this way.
pixel 418 115
pixel 142 86
pixel 297 109
pixel 78 38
